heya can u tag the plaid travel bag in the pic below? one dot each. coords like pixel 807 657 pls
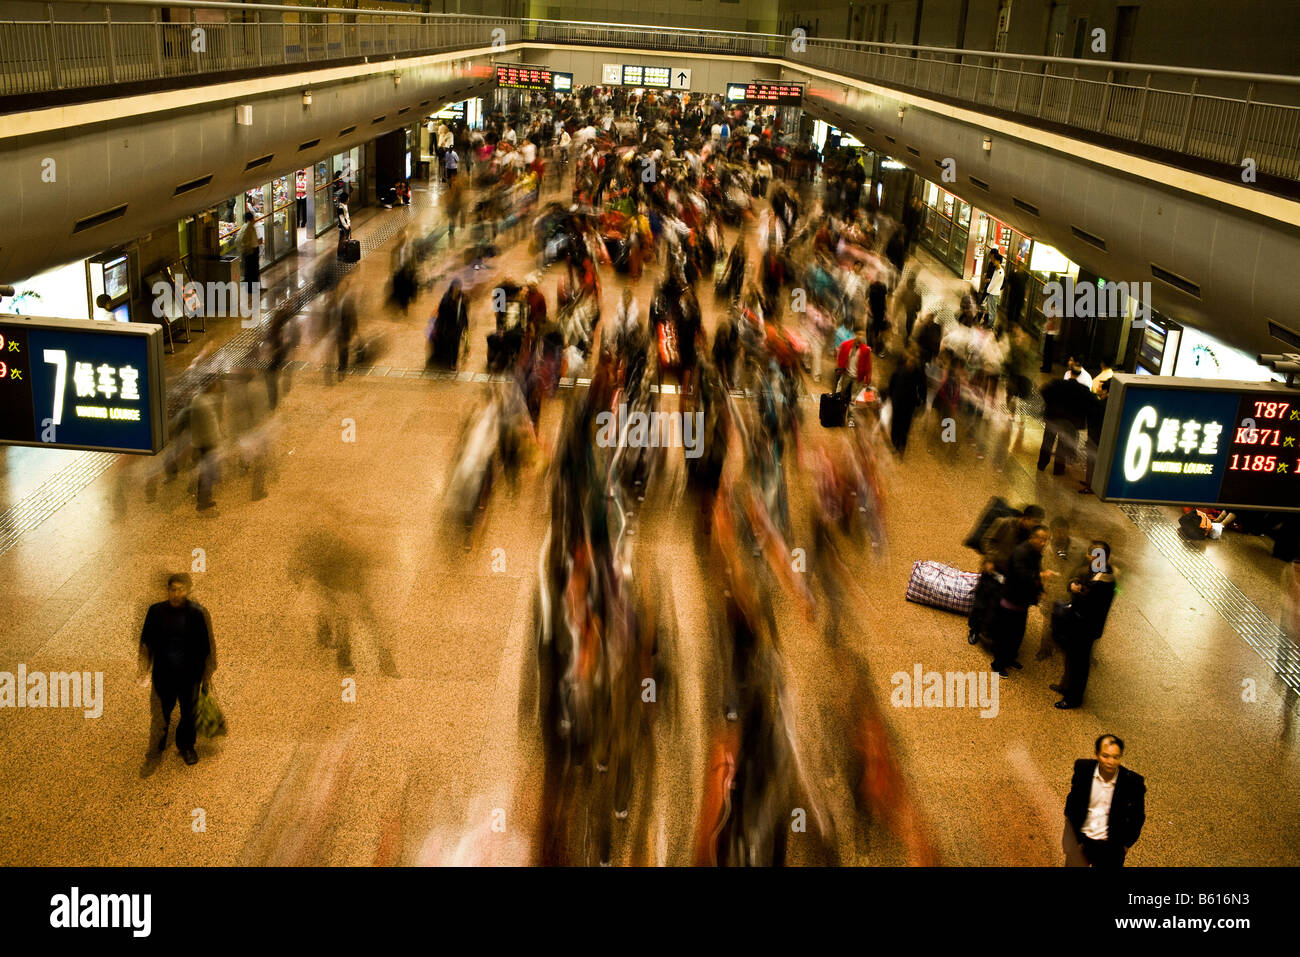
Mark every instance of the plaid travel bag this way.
pixel 942 586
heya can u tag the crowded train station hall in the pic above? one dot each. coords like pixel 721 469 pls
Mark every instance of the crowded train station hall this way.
pixel 692 434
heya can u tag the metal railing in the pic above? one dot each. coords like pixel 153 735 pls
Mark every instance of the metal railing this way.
pixel 1223 116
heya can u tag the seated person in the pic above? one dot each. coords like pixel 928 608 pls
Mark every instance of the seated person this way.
pixel 1197 524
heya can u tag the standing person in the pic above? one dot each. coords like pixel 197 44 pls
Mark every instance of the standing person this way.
pixel 205 436
pixel 909 303
pixel 993 288
pixel 877 296
pixel 445 142
pixel 1017 284
pixel 249 244
pixel 343 314
pixel 453 204
pixel 1023 588
pixel 906 395
pixel 853 364
pixel 448 328
pixel 176 646
pixel 343 218
pixel 1064 555
pixel 1096 419
pixel 301 192
pixel 1106 807
pixel 1065 409
pixel 450 165
pixel 1081 621
pixel 1104 376
pixel 996 545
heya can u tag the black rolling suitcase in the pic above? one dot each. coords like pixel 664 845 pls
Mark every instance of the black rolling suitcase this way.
pixel 833 410
pixel 350 251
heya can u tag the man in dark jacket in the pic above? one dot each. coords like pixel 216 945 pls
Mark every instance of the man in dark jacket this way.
pixel 1080 622
pixel 447 331
pixel 996 545
pixel 1106 807
pixel 1023 588
pixel 1066 404
pixel 1016 286
pixel 176 643
pixel 906 395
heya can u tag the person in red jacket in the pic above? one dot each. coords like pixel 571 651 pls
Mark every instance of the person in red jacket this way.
pixel 853 363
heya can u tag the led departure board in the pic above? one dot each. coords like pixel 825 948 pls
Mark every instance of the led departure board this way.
pixel 657 76
pixel 80 384
pixel 511 76
pixel 760 93
pixel 1176 441
pixel 633 75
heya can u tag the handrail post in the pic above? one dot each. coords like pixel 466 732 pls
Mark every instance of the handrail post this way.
pixel 51 40
pixel 1069 103
pixel 108 44
pixel 1105 101
pixel 157 46
pixel 1142 109
pixel 1187 119
pixel 229 34
pixel 1015 101
pixel 1240 147
pixel 257 34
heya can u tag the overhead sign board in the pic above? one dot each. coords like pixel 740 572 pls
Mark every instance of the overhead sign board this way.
pixel 761 92
pixel 657 76
pixel 633 75
pixel 1175 441
pixel 681 78
pixel 521 76
pixel 563 82
pixel 611 74
pixel 80 384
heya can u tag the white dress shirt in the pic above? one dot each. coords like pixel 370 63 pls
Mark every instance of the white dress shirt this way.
pixel 1096 824
pixel 1083 376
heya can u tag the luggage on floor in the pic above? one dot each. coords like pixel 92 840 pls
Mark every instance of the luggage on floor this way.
pixel 942 586
pixel 833 410
pixel 350 251
pixel 996 508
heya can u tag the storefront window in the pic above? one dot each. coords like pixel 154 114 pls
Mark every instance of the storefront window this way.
pixel 230 216
pixel 963 213
pixel 324 200
pixel 282 234
pixel 257 201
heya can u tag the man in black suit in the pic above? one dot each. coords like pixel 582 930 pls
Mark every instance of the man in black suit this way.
pixel 1107 805
pixel 176 645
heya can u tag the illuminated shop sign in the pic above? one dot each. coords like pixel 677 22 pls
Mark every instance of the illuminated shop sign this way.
pixel 760 93
pixel 80 384
pixel 1200 442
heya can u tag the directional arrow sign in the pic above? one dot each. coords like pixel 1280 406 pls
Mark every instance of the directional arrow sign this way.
pixel 681 79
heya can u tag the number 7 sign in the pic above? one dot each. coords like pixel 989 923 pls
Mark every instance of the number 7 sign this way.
pixel 59 359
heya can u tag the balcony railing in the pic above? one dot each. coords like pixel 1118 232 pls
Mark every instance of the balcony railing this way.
pixel 1221 116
